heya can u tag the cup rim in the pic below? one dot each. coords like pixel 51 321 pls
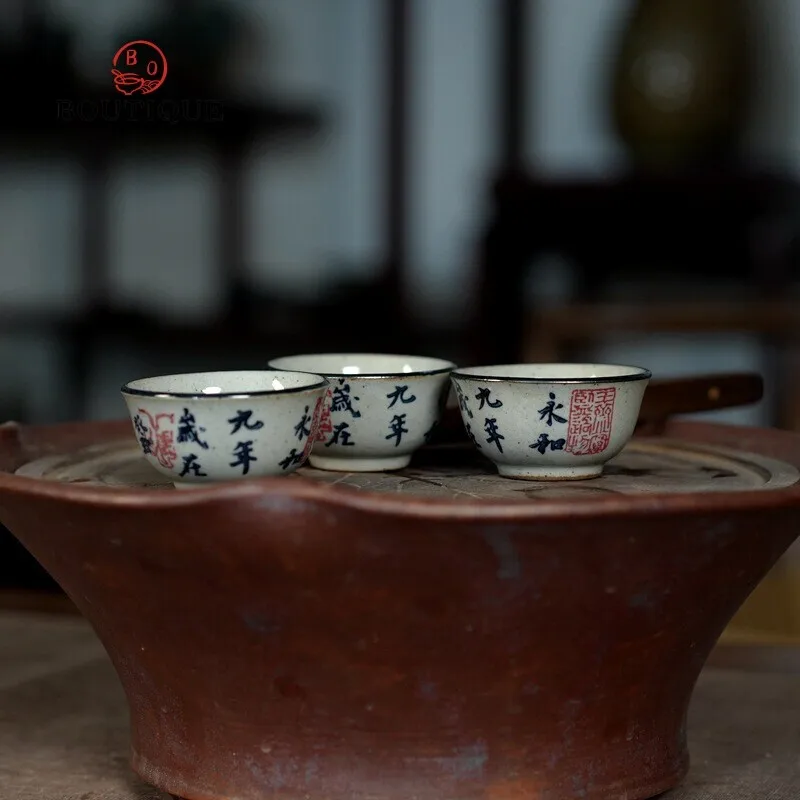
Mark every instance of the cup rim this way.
pixel 130 389
pixel 631 373
pixel 447 366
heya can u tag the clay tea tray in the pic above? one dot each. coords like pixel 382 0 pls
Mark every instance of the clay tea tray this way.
pixel 458 473
pixel 434 633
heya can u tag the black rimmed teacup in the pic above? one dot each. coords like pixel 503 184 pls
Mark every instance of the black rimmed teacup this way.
pixel 380 409
pixel 550 421
pixel 209 427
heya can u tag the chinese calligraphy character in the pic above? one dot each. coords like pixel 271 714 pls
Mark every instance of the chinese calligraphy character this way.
pixel 397 428
pixel 340 432
pixel 244 455
pixel 472 437
pixel 242 419
pixel 590 415
pixel 303 427
pixel 548 413
pixel 143 435
pixel 162 441
pixel 188 430
pixel 191 464
pixel 462 401
pixel 293 458
pixel 341 399
pixel 494 436
pixel 483 395
pixel 544 441
pixel 399 393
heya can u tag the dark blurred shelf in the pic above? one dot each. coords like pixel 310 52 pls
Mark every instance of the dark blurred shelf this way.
pixel 88 117
pixel 283 325
pixel 268 329
pixel 19 570
pixel 30 598
pixel 735 223
pixel 16 320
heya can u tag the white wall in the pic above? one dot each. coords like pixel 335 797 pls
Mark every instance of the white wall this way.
pixel 453 146
pixel 316 204
pixel 570 55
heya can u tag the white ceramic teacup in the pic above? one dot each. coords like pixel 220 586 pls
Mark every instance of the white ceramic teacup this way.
pixel 209 427
pixel 380 408
pixel 550 421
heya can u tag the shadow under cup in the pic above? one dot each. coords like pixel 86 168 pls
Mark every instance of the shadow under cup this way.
pixel 379 409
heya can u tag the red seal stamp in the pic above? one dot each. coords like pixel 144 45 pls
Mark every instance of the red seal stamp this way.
pixel 139 67
pixel 591 412
pixel 314 433
pixel 160 442
pixel 325 425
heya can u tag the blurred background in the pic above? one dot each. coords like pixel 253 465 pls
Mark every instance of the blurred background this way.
pixel 484 180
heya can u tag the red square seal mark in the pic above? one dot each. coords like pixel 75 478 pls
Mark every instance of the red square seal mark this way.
pixel 313 435
pixel 590 414
pixel 325 425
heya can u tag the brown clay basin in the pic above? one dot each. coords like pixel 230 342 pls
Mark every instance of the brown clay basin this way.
pixel 434 634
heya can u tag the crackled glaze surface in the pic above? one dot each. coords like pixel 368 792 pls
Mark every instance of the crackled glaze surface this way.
pixel 202 428
pixel 550 421
pixel 380 409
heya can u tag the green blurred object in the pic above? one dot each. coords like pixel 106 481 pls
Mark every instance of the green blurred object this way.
pixel 681 83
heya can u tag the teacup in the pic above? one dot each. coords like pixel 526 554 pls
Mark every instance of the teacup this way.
pixel 380 408
pixel 550 422
pixel 209 427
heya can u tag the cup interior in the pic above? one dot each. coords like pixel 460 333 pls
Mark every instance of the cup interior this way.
pixel 224 384
pixel 555 373
pixel 366 365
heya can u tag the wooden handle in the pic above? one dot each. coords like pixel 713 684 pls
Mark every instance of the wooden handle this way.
pixel 667 398
pixel 662 399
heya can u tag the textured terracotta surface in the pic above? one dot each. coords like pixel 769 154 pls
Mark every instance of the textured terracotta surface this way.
pixel 463 475
pixel 64 722
pixel 295 639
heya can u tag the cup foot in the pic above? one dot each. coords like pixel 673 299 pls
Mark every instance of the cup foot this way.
pixel 550 473
pixel 358 464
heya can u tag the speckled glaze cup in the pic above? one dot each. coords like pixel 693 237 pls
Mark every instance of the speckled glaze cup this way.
pixel 379 409
pixel 550 422
pixel 214 427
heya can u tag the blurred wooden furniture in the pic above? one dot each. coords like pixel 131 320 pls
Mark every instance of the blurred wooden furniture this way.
pixel 96 127
pixel 734 225
pixel 566 332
